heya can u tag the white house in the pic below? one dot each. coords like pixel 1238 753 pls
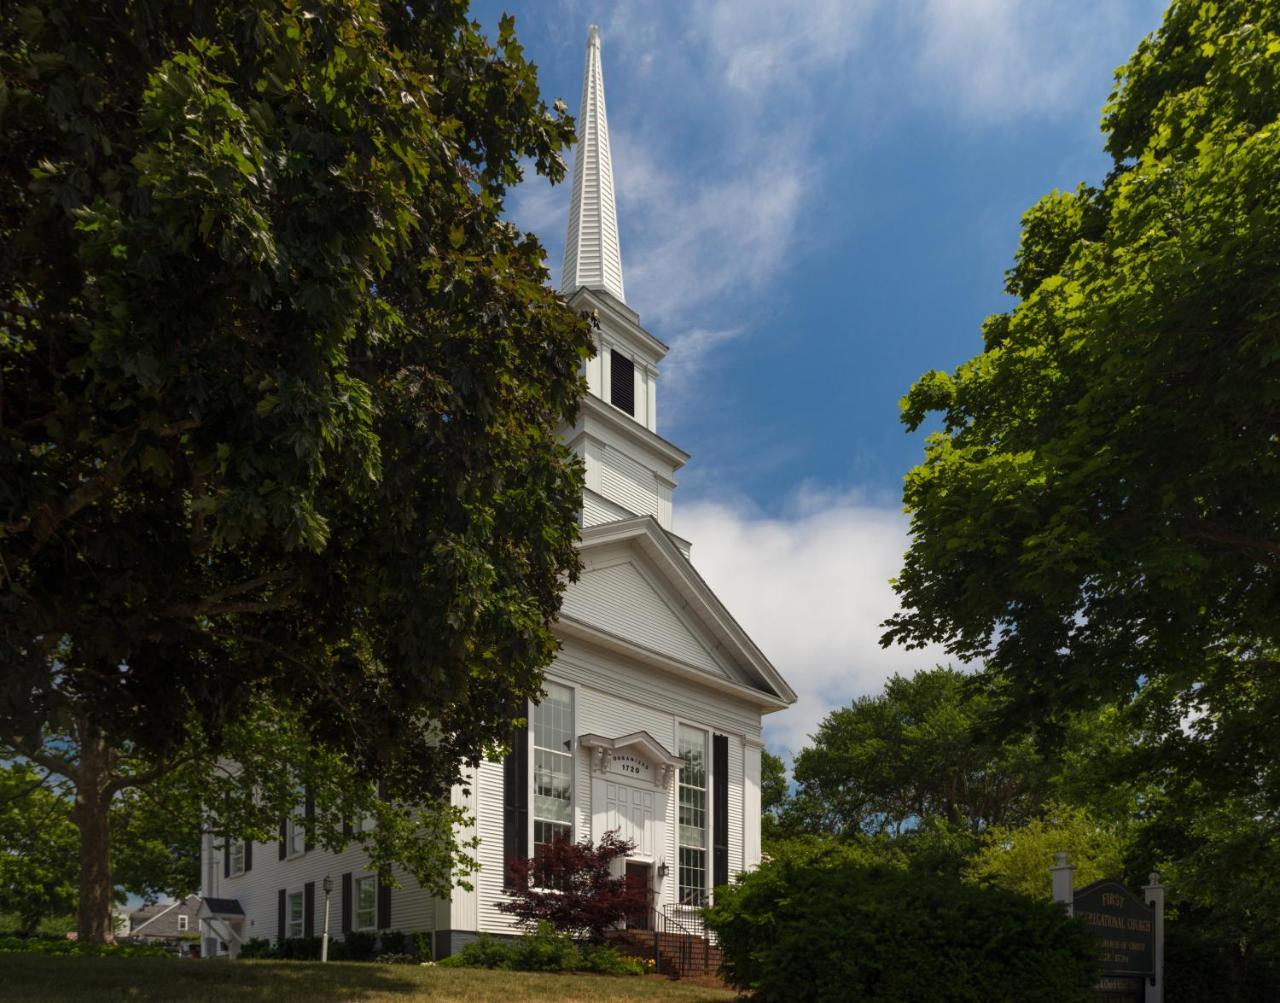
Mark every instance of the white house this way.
pixel 651 722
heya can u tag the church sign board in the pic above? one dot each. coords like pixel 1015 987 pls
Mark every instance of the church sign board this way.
pixel 1123 927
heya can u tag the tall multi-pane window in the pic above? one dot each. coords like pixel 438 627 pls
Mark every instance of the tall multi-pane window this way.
pixel 295 914
pixel 236 852
pixel 693 816
pixel 366 896
pixel 553 766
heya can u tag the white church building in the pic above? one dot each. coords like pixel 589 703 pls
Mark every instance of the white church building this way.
pixel 651 720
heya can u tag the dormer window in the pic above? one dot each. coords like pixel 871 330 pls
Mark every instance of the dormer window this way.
pixel 622 382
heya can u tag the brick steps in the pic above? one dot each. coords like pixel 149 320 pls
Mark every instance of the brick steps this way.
pixel 678 954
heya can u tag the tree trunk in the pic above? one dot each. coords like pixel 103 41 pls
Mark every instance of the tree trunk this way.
pixel 92 817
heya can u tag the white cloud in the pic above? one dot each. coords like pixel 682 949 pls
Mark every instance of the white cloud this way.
pixel 993 60
pixel 811 587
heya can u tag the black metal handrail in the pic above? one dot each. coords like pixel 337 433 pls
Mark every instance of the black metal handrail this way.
pixel 681 946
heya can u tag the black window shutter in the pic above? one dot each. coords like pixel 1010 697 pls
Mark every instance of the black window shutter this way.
pixel 226 857
pixel 622 382
pixel 282 930
pixel 309 812
pixel 515 798
pixel 720 810
pixel 346 902
pixel 284 838
pixel 248 855
pixel 309 909
pixel 384 906
pixel 347 830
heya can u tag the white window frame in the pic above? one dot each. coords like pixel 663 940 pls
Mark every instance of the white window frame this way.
pixel 295 836
pixel 299 925
pixel 572 754
pixel 357 884
pixel 184 922
pixel 235 853
pixel 708 812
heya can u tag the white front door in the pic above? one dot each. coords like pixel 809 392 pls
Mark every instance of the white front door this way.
pixel 636 812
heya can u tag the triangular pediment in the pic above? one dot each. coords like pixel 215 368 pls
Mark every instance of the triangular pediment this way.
pixel 625 598
pixel 638 592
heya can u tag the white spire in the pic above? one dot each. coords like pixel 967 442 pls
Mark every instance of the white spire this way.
pixel 592 257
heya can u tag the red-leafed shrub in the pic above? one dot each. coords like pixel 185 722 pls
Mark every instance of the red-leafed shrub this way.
pixel 572 886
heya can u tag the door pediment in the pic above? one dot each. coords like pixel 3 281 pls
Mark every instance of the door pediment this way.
pixel 638 757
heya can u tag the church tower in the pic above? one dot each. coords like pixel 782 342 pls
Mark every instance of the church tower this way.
pixel 630 468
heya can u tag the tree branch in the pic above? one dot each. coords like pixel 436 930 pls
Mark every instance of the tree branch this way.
pixel 44 522
pixel 41 757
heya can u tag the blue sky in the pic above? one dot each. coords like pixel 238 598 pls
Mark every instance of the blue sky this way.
pixel 817 203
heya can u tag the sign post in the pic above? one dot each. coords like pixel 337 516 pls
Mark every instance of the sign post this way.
pixel 1153 892
pixel 1128 932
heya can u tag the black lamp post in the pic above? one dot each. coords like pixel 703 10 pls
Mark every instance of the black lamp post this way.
pixel 327 885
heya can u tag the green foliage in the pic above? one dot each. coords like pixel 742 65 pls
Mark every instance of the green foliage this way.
pixel 360 945
pixel 606 960
pixel 920 751
pixel 1018 859
pixel 285 383
pixel 257 947
pixel 51 926
pixel 62 946
pixel 422 945
pixel 483 952
pixel 830 927
pixel 299 949
pixel 1201 964
pixel 1098 517
pixel 38 862
pixel 393 942
pixel 543 950
pixel 773 782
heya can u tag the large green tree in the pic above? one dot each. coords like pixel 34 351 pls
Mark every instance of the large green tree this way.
pixel 279 390
pixel 920 752
pixel 1098 516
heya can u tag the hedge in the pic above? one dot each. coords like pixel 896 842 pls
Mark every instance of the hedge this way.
pixel 62 946
pixel 829 925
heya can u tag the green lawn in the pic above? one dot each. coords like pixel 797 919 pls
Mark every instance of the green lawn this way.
pixel 30 977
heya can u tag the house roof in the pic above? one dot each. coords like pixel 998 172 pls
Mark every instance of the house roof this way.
pixel 161 919
pixel 764 684
pixel 221 908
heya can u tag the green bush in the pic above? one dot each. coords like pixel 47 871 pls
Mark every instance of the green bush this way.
pixel 257 947
pixel 544 950
pixel 484 952
pixel 1203 962
pixel 300 949
pixel 396 959
pixel 62 946
pixel 605 960
pixel 827 925
pixel 360 945
pixel 422 945
pixel 393 942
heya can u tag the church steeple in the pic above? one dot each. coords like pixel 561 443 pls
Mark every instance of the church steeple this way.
pixel 592 256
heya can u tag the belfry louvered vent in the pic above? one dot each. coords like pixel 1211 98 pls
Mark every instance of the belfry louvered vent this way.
pixel 622 382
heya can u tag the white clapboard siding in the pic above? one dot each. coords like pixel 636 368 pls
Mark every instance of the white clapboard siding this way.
pixel 621 599
pixel 630 484
pixel 597 509
pixel 257 891
pixel 489 823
